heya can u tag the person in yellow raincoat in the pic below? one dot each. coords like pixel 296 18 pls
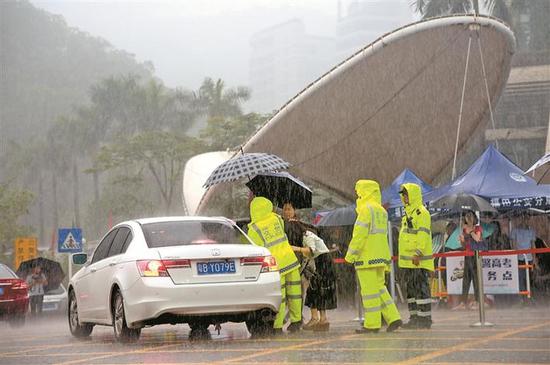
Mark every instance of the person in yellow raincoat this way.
pixel 415 256
pixel 369 252
pixel 267 229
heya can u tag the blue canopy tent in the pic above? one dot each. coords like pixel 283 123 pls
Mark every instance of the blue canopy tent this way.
pixel 494 177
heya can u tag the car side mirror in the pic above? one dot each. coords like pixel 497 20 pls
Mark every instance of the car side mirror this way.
pixel 80 258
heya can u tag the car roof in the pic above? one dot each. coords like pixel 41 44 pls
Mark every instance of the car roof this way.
pixel 181 219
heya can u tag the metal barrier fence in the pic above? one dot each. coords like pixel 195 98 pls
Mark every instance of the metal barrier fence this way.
pixel 439 269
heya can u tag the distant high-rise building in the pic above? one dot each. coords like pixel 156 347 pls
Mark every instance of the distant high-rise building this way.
pixel 284 60
pixel 365 21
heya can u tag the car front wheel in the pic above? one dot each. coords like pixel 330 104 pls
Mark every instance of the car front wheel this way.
pixel 122 332
pixel 79 330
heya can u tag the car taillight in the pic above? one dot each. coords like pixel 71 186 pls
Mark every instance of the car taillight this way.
pixel 177 264
pixel 151 268
pixel 268 262
pixel 19 285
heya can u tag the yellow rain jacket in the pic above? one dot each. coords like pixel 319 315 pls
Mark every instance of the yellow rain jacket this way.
pixel 415 236
pixel 369 244
pixel 267 229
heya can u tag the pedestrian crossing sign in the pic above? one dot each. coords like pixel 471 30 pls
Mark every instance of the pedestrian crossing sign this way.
pixel 69 240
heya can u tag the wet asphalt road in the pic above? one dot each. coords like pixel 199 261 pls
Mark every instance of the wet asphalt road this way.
pixel 520 336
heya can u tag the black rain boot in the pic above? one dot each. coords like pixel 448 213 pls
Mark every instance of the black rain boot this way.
pixel 412 323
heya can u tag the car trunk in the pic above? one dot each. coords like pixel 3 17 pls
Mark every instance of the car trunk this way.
pixel 211 263
pixel 11 289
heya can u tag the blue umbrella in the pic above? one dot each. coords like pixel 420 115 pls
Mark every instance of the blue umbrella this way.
pixel 454 244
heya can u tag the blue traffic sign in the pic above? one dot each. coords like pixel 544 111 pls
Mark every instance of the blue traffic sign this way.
pixel 69 240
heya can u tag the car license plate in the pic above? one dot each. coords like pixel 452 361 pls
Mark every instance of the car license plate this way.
pixel 216 267
pixel 49 306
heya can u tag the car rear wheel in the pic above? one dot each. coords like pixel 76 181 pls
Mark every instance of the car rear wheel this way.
pixel 260 324
pixel 122 332
pixel 77 329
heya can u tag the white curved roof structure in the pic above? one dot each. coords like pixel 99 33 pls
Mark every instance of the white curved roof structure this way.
pixel 394 104
pixel 196 172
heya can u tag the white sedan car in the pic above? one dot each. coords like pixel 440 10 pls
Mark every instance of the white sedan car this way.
pixel 193 270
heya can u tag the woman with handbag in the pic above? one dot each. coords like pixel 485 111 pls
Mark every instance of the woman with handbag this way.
pixel 317 268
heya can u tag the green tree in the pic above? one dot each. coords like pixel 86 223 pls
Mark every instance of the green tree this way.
pixel 229 133
pixel 161 154
pixel 431 8
pixel 125 195
pixel 47 67
pixel 218 101
pixel 14 204
pixel 533 36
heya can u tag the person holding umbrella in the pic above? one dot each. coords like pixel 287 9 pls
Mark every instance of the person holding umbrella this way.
pixel 415 256
pixel 266 229
pixel 472 235
pixel 369 252
pixel 36 282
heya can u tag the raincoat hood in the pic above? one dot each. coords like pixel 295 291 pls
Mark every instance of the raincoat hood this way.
pixel 368 190
pixel 415 195
pixel 260 208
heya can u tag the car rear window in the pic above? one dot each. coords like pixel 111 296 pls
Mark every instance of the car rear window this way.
pixel 6 273
pixel 179 233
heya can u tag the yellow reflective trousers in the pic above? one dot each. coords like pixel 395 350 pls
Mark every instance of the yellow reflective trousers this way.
pixel 291 290
pixel 377 302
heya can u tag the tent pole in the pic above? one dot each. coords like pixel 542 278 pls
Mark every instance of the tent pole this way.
pixel 487 88
pixel 461 106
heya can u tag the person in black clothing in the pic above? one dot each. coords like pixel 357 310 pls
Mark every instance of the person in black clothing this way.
pixel 317 268
pixel 498 240
pixel 471 237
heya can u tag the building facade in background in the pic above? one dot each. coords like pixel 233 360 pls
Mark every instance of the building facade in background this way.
pixel 365 21
pixel 284 60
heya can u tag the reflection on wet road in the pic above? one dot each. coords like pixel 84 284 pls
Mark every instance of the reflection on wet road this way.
pixel 520 336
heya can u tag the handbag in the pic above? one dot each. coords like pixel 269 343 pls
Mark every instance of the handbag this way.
pixel 315 243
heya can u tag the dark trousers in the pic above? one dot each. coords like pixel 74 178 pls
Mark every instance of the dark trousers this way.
pixel 419 297
pixel 36 304
pixel 470 274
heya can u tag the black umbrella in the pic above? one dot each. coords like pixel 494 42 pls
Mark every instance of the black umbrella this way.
pixel 345 216
pixel 245 165
pixel 281 188
pixel 457 203
pixel 52 271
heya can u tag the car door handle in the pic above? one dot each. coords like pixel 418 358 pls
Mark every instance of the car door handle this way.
pixel 93 270
pixel 113 263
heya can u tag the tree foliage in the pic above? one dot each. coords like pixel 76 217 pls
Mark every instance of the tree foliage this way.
pixel 229 133
pixel 14 203
pixel 533 36
pixel 161 154
pixel 48 66
pixel 71 102
pixel 217 101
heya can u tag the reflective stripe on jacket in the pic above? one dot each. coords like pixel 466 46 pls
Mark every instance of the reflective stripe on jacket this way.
pixel 415 236
pixel 369 244
pixel 267 229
